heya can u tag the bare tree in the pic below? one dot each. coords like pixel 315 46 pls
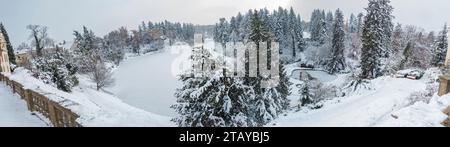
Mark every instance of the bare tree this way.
pixel 102 76
pixel 40 37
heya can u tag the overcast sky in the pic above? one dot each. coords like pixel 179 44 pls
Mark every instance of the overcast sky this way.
pixel 102 16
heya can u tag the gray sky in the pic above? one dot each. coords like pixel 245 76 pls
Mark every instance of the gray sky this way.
pixel 102 16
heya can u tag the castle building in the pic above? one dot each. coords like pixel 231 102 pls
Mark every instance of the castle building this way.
pixel 447 59
pixel 4 59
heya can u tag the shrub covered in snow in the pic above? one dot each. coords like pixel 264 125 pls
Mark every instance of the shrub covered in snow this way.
pixel 56 70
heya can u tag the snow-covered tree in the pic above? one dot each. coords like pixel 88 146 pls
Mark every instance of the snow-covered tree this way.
pixel 329 23
pixel 306 96
pixel 9 47
pixel 387 24
pixel 86 50
pixel 283 90
pixel 336 60
pixel 360 23
pixel 136 41
pixel 101 75
pixel 56 69
pixel 222 32
pixel 440 51
pixel 374 36
pixel 115 45
pixel 40 38
pixel 353 22
pixel 295 30
pixel 212 101
pixel 318 26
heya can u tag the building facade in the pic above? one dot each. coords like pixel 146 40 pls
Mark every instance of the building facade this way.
pixel 4 59
pixel 447 59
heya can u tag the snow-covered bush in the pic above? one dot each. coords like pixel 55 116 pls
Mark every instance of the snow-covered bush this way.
pixel 214 102
pixel 313 92
pixel 355 84
pixel 56 70
pixel 431 77
pixel 306 96
pixel 102 76
pixel 217 101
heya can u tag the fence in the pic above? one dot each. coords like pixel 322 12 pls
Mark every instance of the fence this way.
pixel 57 114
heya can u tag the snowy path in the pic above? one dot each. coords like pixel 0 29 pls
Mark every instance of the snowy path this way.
pixel 368 109
pixel 14 112
pixel 146 82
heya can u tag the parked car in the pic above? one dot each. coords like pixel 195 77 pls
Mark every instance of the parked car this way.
pixel 414 74
pixel 305 65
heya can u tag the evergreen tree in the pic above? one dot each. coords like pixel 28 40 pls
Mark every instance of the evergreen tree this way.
pixel 353 24
pixel 294 28
pixel 279 27
pixel 87 47
pixel 269 102
pixel 318 27
pixel 245 26
pixel 306 96
pixel 372 41
pixel 359 24
pixel 300 41
pixel 213 101
pixel 56 69
pixel 440 51
pixel 336 61
pixel 234 30
pixel 283 90
pixel 9 47
pixel 259 33
pixel 387 26
pixel 329 24
pixel 221 34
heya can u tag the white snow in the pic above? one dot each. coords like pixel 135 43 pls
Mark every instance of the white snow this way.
pixel 386 105
pixel 419 114
pixel 359 110
pixel 14 112
pixel 147 82
pixel 95 108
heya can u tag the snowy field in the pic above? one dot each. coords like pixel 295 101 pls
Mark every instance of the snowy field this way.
pixel 146 82
pixel 14 111
pixel 387 105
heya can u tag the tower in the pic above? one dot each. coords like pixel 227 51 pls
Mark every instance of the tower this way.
pixel 4 59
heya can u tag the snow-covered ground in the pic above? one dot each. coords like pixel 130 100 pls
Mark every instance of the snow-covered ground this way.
pixel 147 82
pixel 14 111
pixel 95 108
pixel 386 105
